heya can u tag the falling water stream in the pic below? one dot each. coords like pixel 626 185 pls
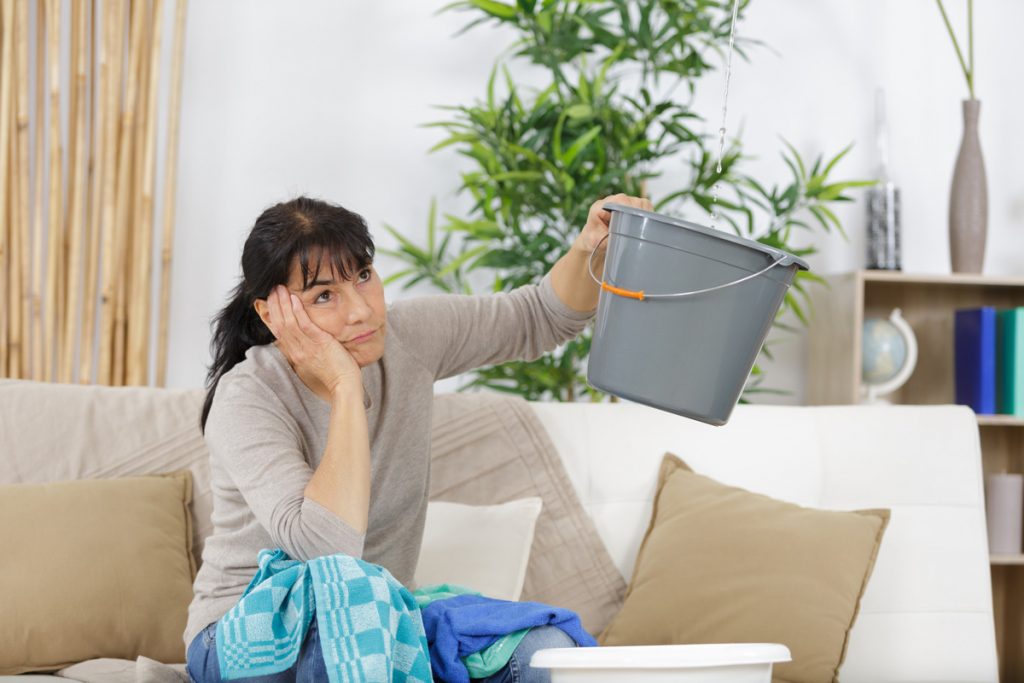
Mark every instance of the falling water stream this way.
pixel 725 108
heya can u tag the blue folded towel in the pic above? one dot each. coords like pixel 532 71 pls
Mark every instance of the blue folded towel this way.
pixel 459 626
pixel 370 625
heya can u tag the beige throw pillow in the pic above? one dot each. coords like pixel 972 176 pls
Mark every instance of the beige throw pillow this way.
pixel 94 568
pixel 719 564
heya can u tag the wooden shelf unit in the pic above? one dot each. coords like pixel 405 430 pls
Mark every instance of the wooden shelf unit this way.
pixel 927 303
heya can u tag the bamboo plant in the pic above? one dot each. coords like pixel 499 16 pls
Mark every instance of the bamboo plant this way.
pixel 610 119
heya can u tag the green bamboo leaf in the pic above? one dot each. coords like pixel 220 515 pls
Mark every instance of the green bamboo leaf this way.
pixel 580 145
pixel 799 161
pixel 432 226
pixel 452 140
pixel 527 6
pixel 835 160
pixel 459 260
pixel 495 9
pixel 579 111
pixel 394 277
pixel 407 244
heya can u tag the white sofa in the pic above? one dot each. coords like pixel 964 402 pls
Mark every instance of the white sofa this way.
pixel 927 612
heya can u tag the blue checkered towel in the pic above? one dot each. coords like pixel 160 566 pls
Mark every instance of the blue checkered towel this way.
pixel 370 626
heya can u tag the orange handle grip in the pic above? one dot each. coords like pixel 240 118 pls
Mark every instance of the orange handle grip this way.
pixel 628 293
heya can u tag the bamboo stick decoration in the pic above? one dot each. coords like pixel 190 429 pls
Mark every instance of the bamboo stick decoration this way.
pixel 113 327
pixel 114 24
pixel 143 233
pixel 143 299
pixel 170 188
pixel 55 238
pixel 76 212
pixel 38 347
pixel 22 171
pixel 97 176
pixel 6 77
pixel 77 193
pixel 16 348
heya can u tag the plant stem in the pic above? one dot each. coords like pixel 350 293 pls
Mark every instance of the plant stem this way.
pixel 956 46
pixel 970 42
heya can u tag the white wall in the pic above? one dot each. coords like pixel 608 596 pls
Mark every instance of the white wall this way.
pixel 328 98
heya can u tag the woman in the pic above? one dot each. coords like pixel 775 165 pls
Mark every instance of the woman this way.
pixel 317 416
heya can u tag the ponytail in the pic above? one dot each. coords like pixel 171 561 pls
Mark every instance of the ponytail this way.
pixel 236 329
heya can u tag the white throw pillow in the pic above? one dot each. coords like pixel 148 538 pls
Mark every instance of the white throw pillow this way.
pixel 483 547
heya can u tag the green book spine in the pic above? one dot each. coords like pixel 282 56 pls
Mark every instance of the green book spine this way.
pixel 1010 362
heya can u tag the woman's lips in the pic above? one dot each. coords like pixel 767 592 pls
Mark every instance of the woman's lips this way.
pixel 362 338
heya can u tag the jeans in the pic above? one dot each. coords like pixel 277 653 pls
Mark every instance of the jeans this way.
pixel 309 668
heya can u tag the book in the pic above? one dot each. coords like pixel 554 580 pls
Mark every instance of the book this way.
pixel 1010 362
pixel 974 358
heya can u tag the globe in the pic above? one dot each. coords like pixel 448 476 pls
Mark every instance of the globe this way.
pixel 884 351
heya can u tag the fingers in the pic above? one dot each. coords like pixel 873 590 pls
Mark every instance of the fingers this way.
pixel 622 198
pixel 307 326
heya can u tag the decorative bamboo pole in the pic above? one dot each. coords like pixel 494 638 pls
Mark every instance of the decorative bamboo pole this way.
pixel 143 299
pixel 113 321
pixel 97 177
pixel 77 194
pixel 22 174
pixel 138 350
pixel 55 238
pixel 76 212
pixel 6 78
pixel 16 345
pixel 38 343
pixel 170 189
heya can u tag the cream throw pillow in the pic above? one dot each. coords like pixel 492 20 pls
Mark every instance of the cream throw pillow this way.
pixel 94 568
pixel 719 564
pixel 483 547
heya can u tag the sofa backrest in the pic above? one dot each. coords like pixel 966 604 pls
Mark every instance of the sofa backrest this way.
pixel 927 612
pixel 57 432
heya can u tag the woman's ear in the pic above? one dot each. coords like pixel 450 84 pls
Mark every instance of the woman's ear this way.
pixel 262 310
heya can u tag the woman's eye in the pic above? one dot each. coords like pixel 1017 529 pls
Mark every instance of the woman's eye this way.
pixel 365 275
pixel 323 297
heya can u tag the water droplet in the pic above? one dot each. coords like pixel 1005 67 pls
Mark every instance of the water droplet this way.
pixel 725 109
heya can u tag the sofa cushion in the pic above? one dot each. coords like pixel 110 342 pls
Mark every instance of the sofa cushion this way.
pixel 483 547
pixel 489 448
pixel 94 568
pixel 721 564
pixel 57 432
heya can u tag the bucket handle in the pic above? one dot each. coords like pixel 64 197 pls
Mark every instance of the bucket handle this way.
pixel 641 295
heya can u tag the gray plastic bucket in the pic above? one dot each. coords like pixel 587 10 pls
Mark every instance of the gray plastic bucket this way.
pixel 683 313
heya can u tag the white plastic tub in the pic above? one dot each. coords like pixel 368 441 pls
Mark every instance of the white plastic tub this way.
pixel 718 663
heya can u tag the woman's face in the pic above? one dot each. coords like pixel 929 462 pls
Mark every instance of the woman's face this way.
pixel 352 311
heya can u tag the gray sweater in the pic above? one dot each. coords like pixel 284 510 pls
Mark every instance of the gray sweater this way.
pixel 267 431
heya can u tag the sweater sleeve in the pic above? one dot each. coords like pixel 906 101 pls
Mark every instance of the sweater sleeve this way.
pixel 453 333
pixel 250 434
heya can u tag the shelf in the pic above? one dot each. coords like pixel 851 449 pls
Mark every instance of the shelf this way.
pixel 940 279
pixel 1003 560
pixel 1000 421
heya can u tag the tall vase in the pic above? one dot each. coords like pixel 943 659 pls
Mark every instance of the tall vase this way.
pixel 968 199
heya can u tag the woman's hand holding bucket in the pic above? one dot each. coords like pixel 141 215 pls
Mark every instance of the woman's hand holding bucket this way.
pixel 598 220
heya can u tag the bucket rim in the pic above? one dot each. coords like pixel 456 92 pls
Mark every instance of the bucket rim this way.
pixel 788 259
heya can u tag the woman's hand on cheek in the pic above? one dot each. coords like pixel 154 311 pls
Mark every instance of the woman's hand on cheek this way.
pixel 309 349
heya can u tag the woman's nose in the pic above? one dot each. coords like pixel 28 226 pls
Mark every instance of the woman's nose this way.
pixel 358 309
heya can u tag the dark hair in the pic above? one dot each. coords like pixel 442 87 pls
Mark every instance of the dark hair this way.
pixel 298 229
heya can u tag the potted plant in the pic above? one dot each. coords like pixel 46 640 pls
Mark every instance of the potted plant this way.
pixel 608 118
